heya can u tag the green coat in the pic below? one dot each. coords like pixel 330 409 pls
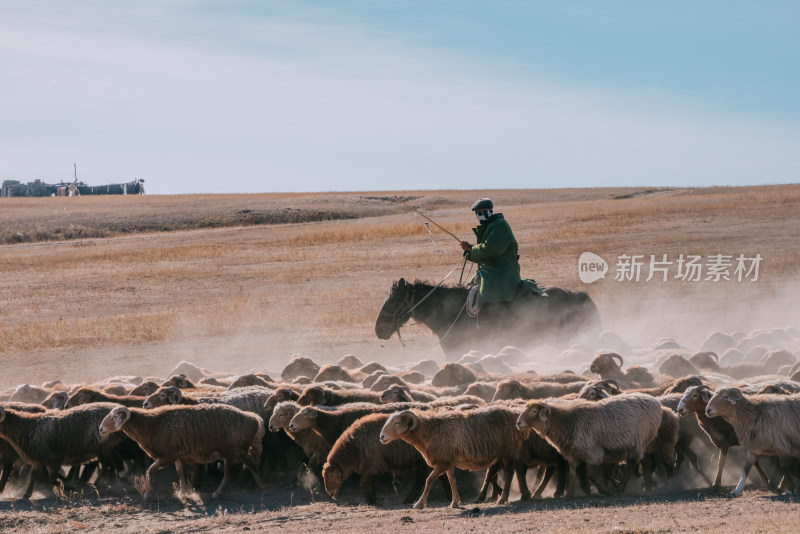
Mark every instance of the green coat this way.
pixel 498 260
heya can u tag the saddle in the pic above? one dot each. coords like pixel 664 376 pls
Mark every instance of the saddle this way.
pixel 524 288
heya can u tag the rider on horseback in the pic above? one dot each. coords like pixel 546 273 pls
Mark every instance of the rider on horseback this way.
pixel 496 254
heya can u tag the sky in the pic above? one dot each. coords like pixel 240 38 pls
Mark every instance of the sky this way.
pixel 249 96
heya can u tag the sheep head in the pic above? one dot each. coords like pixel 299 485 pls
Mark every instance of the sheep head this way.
pixel 723 401
pixel 312 396
pixel 162 397
pixel 114 421
pixel 534 416
pixel 398 424
pixel 56 400
pixel 396 393
pixel 605 365
pixel 82 396
pixel 282 416
pixel 179 381
pixel 508 389
pixel 305 418
pixel 333 479
pixel 694 399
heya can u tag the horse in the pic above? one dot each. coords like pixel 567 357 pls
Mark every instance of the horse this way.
pixel 528 321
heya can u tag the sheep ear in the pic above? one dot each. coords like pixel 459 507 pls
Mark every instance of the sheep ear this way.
pixel 613 385
pixel 705 395
pixel 544 412
pixel 123 416
pixel 413 420
pixel 174 395
pixel 401 282
pixel 735 394
pixel 405 394
pixel 312 414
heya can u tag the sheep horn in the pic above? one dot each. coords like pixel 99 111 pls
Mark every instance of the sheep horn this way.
pixel 614 355
pixel 713 355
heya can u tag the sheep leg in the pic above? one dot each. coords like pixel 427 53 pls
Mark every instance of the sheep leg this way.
pixel 32 476
pixel 181 479
pixel 8 466
pixel 451 476
pixel 563 476
pixel 490 477
pixel 438 470
pixel 647 472
pixel 508 474
pixel 583 480
pixel 694 461
pixel 751 459
pixel 548 474
pixel 226 478
pixel 522 473
pixel 419 482
pixel 370 489
pixel 723 454
pixel 155 466
pixel 765 482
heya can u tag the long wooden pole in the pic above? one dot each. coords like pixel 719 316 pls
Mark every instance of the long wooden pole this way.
pixel 437 225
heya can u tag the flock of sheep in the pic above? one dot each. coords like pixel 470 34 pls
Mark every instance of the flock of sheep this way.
pixel 617 430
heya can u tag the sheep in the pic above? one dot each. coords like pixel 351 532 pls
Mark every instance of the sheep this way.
pixel 677 366
pixel 372 378
pixel 371 367
pixel 357 451
pixel 719 431
pixel 300 366
pixel 281 395
pixel 412 377
pixel 246 380
pixel 564 377
pixel 51 439
pixel 144 389
pixel 178 381
pixel 249 399
pixel 599 389
pixel 679 385
pixel 458 438
pixel 350 361
pixel 333 372
pixel 328 397
pixel 29 394
pixel 330 424
pixel 513 389
pixel 426 367
pixel 189 370
pixel 484 390
pixel 775 359
pixel 191 434
pixel 314 446
pixel 386 381
pixel 606 366
pixel 453 374
pixel 765 424
pixel 86 395
pixel 405 394
pixel 56 400
pixel 705 360
pixel 615 429
pixel 8 454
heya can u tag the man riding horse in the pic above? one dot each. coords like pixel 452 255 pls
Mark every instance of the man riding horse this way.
pixel 497 256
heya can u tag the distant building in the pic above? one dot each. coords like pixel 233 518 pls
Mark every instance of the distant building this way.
pixel 37 188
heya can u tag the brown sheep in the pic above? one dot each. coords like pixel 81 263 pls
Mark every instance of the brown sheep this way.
pixel 371 367
pixel 513 389
pixel 677 366
pixel 484 390
pixel 281 395
pixel 249 379
pixel 300 366
pixel 86 395
pixel 144 389
pixel 458 438
pixel 705 360
pixel 719 431
pixel 426 367
pixel 386 381
pixel 453 374
pixel 330 424
pixel 765 424
pixel 193 435
pixel 50 439
pixel 179 381
pixel 405 394
pixel 412 377
pixel 358 451
pixel 314 446
pixel 775 359
pixel 56 400
pixel 328 397
pixel 8 454
pixel 251 399
pixel 615 429
pixel 350 362
pixel 333 372
pixel 372 378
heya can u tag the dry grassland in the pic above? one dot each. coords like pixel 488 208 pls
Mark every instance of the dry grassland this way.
pixel 96 286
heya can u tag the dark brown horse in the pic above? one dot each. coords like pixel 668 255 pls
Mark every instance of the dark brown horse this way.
pixel 530 320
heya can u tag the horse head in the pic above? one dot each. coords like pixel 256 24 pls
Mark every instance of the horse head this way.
pixel 397 309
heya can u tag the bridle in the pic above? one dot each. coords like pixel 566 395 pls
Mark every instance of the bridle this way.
pixel 399 319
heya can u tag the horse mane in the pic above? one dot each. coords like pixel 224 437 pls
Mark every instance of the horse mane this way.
pixel 416 283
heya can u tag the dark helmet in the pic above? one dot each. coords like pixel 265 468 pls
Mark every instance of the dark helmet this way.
pixel 483 204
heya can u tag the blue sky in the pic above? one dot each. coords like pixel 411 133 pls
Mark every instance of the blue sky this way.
pixel 262 96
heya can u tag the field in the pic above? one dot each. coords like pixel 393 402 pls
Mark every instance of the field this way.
pixel 97 286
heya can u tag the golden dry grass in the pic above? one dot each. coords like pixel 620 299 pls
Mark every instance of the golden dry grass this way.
pixel 316 286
